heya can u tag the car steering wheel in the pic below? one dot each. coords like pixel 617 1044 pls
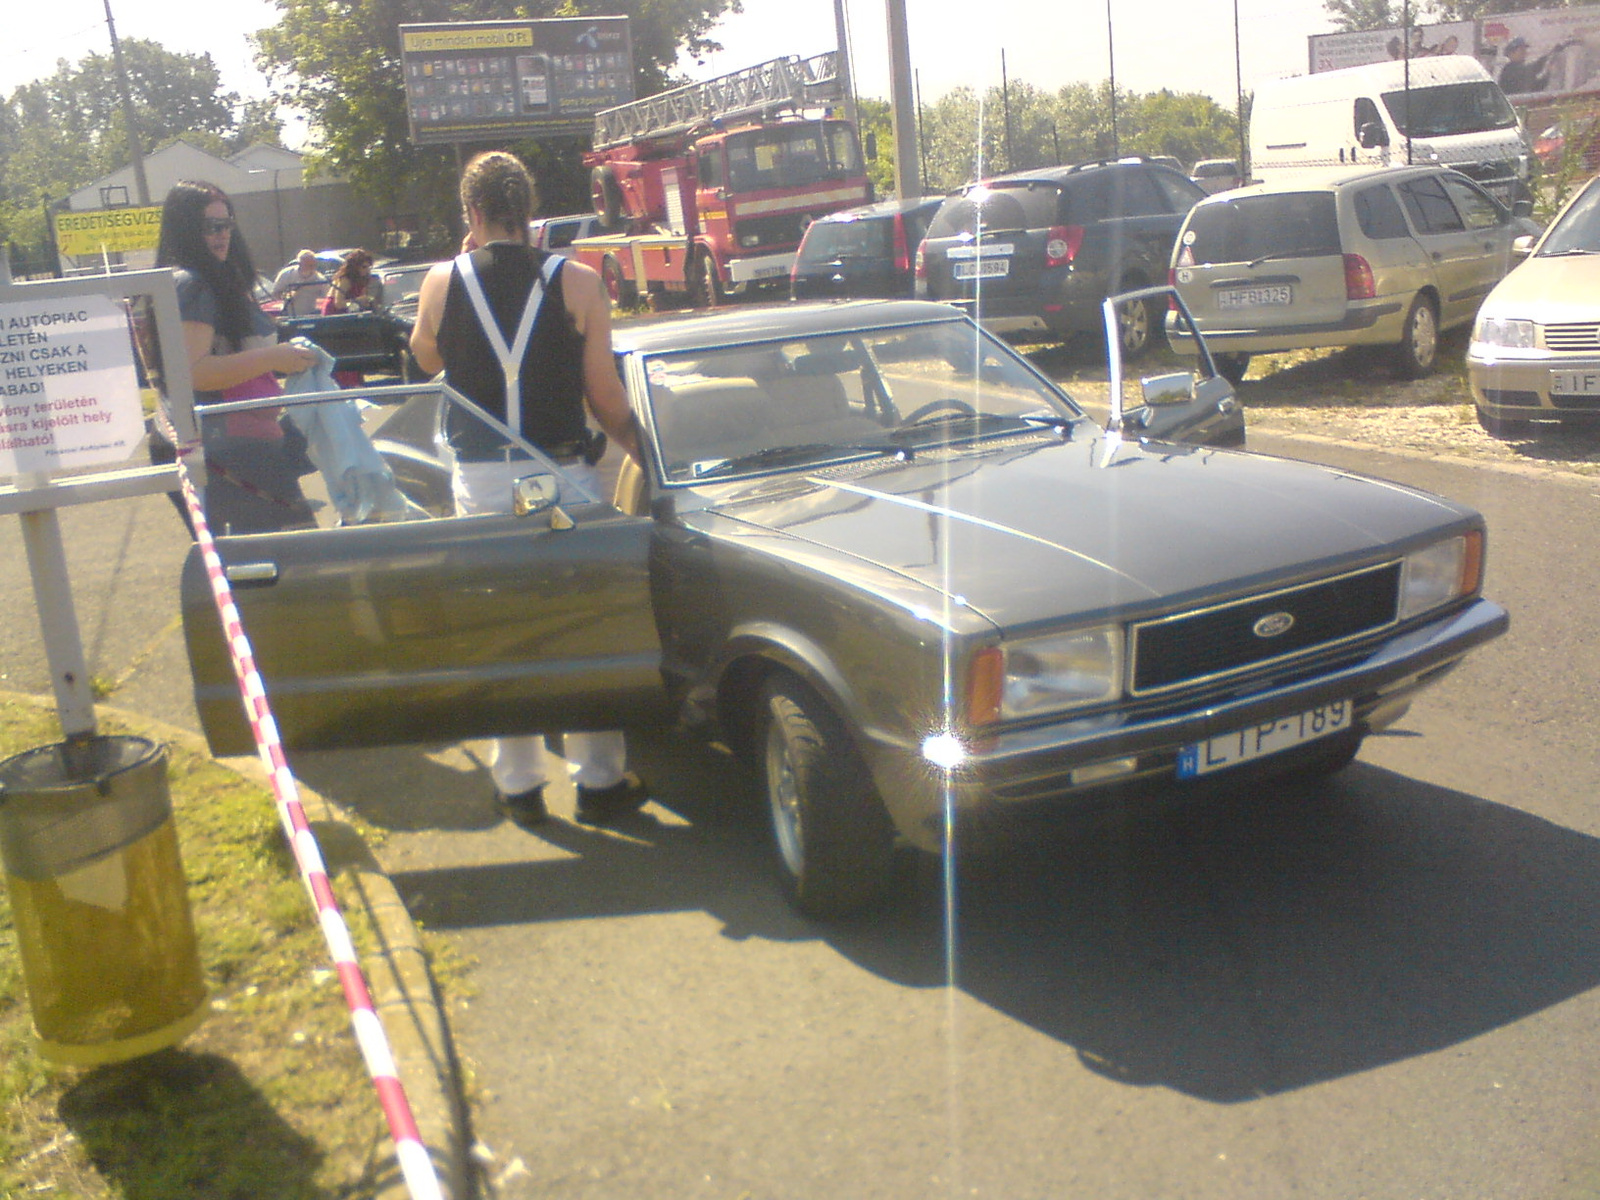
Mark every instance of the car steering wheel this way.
pixel 933 406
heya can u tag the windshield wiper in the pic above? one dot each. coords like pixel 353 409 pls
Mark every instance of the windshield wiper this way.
pixel 1570 250
pixel 775 456
pixel 1300 252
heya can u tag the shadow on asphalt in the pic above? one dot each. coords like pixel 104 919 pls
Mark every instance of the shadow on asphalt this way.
pixel 1244 946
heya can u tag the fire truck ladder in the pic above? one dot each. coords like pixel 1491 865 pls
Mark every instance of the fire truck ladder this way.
pixel 767 88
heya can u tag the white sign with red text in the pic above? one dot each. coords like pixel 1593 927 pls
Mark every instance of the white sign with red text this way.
pixel 69 396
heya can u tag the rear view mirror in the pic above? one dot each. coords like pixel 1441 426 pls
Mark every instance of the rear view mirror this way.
pixel 1174 388
pixel 533 494
pixel 1372 135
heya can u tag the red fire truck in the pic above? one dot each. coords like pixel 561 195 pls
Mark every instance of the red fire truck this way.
pixel 706 189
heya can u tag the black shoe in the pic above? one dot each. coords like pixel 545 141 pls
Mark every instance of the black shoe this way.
pixel 598 806
pixel 524 808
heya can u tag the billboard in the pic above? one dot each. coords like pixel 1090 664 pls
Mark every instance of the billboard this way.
pixel 108 230
pixel 1545 55
pixel 1334 51
pixel 1536 57
pixel 485 80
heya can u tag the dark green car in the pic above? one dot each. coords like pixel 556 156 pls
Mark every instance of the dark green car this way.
pixel 877 551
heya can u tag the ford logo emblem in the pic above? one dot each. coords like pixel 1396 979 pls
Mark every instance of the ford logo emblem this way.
pixel 1273 625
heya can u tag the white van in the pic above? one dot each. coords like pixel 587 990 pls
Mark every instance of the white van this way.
pixel 1454 114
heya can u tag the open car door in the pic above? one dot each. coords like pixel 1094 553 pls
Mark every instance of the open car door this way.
pixel 436 627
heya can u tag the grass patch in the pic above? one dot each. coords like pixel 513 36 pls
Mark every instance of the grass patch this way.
pixel 269 1097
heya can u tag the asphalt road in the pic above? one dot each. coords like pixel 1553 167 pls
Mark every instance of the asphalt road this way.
pixel 1382 988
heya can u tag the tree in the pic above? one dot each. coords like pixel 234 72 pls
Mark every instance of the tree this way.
pixel 61 132
pixel 338 61
pixel 1356 16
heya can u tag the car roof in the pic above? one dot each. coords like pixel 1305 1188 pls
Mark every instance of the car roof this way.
pixel 883 208
pixel 1326 179
pixel 1055 175
pixel 662 332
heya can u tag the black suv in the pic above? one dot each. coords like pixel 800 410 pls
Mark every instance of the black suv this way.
pixel 1035 252
pixel 862 251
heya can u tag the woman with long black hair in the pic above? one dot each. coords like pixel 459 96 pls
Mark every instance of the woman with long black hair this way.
pixel 253 471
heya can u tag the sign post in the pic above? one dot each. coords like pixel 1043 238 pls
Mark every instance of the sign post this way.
pixel 69 403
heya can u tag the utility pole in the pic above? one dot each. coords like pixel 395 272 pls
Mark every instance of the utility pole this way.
pixel 906 182
pixel 847 83
pixel 142 184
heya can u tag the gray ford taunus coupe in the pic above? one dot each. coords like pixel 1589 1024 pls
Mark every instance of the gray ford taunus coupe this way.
pixel 891 562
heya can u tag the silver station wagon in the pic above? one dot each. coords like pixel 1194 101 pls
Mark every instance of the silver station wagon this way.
pixel 1356 257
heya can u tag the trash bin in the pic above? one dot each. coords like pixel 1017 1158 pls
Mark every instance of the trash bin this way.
pixel 98 899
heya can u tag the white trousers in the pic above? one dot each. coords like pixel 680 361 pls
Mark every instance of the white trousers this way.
pixel 520 764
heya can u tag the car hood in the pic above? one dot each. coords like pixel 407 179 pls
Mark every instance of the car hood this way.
pixel 1549 290
pixel 1025 535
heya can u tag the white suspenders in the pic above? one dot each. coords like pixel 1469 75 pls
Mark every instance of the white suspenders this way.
pixel 510 356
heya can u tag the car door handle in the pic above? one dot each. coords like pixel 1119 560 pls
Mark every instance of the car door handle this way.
pixel 256 572
pixel 1438 256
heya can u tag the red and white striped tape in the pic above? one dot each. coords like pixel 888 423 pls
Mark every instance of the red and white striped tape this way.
pixel 415 1165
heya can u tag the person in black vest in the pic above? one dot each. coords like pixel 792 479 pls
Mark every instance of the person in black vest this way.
pixel 470 325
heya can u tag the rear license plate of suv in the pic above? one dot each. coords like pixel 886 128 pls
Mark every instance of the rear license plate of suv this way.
pixel 1259 741
pixel 1275 296
pixel 981 268
pixel 1575 383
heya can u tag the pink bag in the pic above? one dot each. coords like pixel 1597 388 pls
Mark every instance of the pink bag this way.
pixel 258 422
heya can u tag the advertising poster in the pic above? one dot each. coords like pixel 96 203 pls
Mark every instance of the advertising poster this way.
pixel 1334 51
pixel 1545 55
pixel 68 393
pixel 474 80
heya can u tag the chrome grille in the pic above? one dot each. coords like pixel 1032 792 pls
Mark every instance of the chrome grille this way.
pixel 1194 647
pixel 1579 336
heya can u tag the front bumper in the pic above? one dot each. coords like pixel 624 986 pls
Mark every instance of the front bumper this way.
pixel 1515 384
pixel 1072 758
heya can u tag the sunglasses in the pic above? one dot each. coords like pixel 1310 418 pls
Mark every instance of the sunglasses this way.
pixel 211 226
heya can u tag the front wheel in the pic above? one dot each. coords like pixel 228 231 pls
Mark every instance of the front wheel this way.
pixel 1418 350
pixel 705 290
pixel 835 842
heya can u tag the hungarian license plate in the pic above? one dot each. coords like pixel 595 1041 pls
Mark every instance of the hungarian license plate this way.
pixel 981 268
pixel 1275 296
pixel 1260 741
pixel 1575 383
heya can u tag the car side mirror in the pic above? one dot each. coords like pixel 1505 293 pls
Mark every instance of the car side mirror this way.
pixel 1372 135
pixel 1522 245
pixel 1174 388
pixel 534 494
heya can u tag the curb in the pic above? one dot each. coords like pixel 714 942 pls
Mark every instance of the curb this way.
pixel 403 992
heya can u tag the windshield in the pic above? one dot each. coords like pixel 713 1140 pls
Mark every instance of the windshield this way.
pixel 1287 225
pixel 792 154
pixel 869 237
pixel 797 403
pixel 1450 108
pixel 1578 230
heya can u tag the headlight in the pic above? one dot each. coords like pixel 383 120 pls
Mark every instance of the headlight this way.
pixel 1504 332
pixel 1443 572
pixel 1029 676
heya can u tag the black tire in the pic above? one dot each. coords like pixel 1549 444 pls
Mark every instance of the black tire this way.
pixel 1418 351
pixel 606 195
pixel 622 292
pixel 1232 366
pixel 1139 326
pixel 832 834
pixel 1503 427
pixel 705 289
